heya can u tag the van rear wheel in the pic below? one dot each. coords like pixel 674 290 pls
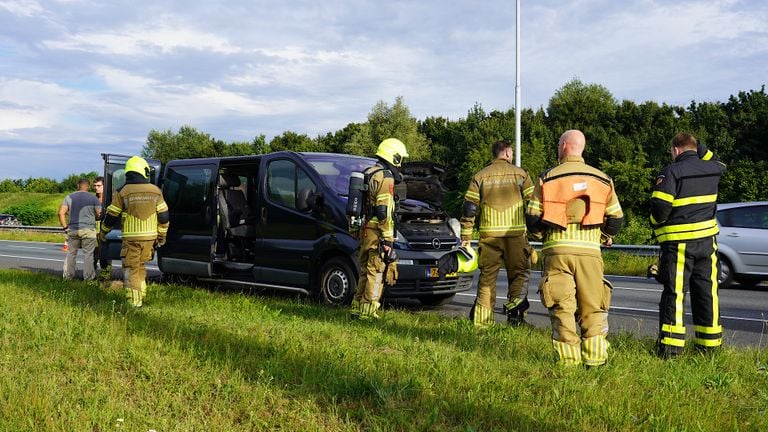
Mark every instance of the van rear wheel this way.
pixel 337 282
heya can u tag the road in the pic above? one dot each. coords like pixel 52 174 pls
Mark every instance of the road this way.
pixel 634 305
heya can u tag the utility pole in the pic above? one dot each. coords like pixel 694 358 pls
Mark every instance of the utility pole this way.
pixel 518 106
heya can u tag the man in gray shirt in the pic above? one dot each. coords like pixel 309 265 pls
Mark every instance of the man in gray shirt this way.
pixel 83 209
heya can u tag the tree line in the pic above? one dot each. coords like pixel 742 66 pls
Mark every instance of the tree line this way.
pixel 627 140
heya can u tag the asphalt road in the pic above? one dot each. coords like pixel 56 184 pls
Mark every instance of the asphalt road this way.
pixel 634 305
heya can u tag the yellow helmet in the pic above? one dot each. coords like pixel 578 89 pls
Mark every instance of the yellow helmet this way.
pixel 393 151
pixel 467 258
pixel 138 165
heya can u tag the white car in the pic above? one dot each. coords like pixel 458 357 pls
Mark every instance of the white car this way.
pixel 743 243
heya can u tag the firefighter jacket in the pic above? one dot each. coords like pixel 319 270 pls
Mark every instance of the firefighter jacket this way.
pixel 574 207
pixel 684 198
pixel 498 192
pixel 380 201
pixel 143 211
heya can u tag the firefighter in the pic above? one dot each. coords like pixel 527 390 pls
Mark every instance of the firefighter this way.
pixel 379 230
pixel 144 216
pixel 498 193
pixel 574 209
pixel 683 205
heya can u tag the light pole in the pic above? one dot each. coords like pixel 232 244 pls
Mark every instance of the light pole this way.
pixel 517 83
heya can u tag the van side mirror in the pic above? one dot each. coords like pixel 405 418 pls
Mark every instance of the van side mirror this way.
pixel 309 200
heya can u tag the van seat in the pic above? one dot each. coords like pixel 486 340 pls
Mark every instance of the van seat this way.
pixel 236 217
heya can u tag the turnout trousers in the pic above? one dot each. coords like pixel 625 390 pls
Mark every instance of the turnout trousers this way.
pixel 683 267
pixel 575 293
pixel 135 255
pixel 515 254
pixel 370 287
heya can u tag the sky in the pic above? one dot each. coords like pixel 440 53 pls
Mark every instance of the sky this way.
pixel 79 77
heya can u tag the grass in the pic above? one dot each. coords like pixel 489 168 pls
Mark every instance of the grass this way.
pixel 74 357
pixel 48 202
pixel 22 235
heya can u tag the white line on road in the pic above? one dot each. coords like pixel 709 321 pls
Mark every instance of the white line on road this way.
pixel 643 310
pixel 149 266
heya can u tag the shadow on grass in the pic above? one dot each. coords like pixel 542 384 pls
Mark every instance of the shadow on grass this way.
pixel 302 370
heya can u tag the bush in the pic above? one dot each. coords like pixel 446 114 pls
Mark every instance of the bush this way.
pixel 29 214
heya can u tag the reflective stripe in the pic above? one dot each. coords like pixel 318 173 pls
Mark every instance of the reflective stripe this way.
pixel 709 330
pixel 534 205
pixel 708 342
pixel 573 236
pixel 570 243
pixel 161 207
pixel 715 298
pixel 708 155
pixel 528 191
pixel 115 210
pixel 711 232
pixel 612 210
pixel 663 196
pixel 701 199
pixel 679 281
pixel 653 220
pixel 673 342
pixel 509 219
pixel 570 355
pixel 671 328
pixel 472 196
pixel 689 231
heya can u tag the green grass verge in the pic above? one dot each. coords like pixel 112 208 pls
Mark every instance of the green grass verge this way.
pixel 74 357
pixel 48 202
pixel 21 235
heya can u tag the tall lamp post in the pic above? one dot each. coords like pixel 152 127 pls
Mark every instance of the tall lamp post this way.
pixel 517 83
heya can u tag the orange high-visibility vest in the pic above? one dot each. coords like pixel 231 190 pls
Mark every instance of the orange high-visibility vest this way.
pixel 557 192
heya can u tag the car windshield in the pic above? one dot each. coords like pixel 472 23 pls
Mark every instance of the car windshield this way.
pixel 335 169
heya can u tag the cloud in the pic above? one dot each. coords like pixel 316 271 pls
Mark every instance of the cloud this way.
pixel 22 8
pixel 162 36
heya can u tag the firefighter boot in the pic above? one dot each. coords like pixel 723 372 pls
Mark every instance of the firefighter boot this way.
pixel 368 311
pixel 568 355
pixel 354 309
pixel 594 350
pixel 481 317
pixel 516 311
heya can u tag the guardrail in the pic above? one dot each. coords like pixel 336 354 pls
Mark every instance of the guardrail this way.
pixel 32 228
pixel 641 250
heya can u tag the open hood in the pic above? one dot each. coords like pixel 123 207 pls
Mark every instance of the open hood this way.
pixel 424 182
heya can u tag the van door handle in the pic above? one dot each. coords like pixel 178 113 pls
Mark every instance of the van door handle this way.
pixel 263 215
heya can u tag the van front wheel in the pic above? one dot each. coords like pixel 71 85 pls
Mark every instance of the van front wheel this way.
pixel 337 282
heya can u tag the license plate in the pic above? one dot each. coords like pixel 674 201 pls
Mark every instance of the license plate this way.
pixel 434 272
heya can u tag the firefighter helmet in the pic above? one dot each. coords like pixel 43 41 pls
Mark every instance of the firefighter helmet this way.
pixel 393 151
pixel 467 258
pixel 138 165
pixel 461 260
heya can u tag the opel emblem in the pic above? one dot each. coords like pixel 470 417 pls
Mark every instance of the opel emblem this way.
pixel 436 243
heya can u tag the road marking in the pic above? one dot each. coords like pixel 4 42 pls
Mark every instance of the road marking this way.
pixel 61 260
pixel 735 318
pixel 31 247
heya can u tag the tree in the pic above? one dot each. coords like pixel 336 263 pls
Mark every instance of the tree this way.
pixel 189 143
pixel 295 142
pixel 9 185
pixel 591 109
pixel 385 122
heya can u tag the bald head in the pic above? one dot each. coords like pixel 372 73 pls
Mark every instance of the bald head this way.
pixel 572 143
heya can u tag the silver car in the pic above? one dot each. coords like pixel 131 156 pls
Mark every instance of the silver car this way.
pixel 743 242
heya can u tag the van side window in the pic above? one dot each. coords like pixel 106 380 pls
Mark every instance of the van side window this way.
pixel 284 180
pixel 187 191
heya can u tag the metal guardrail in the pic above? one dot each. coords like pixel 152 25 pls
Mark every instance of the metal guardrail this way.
pixel 32 228
pixel 641 250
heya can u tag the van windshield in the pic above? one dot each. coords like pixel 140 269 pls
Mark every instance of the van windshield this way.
pixel 335 169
